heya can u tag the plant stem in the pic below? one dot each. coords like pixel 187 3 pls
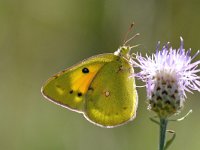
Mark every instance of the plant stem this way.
pixel 163 127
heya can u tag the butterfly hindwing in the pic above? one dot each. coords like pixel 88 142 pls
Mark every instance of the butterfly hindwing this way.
pixel 112 97
pixel 69 87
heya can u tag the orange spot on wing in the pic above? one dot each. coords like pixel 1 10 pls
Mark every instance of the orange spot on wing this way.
pixel 81 82
pixel 86 82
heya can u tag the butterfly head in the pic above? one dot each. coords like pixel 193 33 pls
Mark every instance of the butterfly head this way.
pixel 123 51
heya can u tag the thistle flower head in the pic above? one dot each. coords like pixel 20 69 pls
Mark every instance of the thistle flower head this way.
pixel 168 74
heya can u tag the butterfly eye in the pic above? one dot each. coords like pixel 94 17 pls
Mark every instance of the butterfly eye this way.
pixel 85 70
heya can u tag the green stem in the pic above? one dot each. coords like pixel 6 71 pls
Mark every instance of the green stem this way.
pixel 163 127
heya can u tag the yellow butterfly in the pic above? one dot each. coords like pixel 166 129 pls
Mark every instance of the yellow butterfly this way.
pixel 99 87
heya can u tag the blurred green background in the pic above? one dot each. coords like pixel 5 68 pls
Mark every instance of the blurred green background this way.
pixel 41 37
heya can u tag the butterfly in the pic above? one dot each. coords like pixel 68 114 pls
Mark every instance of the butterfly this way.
pixel 99 87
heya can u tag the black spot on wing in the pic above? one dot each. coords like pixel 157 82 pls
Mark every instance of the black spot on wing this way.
pixel 79 94
pixel 91 88
pixel 85 70
pixel 71 91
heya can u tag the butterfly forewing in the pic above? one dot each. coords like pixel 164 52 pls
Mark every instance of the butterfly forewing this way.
pixel 69 87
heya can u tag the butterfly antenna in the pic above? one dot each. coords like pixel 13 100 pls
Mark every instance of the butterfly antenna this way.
pixel 127 33
pixel 131 39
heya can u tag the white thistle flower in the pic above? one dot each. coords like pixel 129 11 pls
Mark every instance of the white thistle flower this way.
pixel 168 74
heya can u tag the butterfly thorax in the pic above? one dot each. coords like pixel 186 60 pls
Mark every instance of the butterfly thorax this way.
pixel 123 51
